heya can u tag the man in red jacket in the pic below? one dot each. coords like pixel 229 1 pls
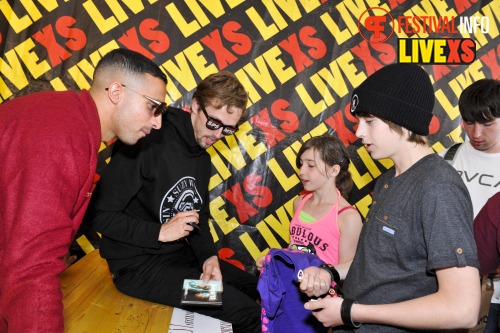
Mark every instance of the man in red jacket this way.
pixel 48 146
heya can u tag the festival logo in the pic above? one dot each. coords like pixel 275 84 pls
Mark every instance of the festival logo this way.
pixel 377 25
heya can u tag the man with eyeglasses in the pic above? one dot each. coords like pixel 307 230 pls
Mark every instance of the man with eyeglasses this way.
pixel 48 146
pixel 153 194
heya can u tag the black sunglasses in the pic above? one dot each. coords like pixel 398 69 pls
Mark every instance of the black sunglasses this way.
pixel 214 124
pixel 160 108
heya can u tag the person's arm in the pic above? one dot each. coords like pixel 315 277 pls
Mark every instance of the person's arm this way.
pixel 487 235
pixel 122 180
pixel 350 225
pixel 44 179
pixel 130 168
pixel 316 281
pixel 454 305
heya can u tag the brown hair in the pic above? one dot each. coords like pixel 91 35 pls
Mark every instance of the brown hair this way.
pixel 412 137
pixel 332 151
pixel 222 88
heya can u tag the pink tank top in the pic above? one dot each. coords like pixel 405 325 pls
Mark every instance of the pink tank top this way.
pixel 324 233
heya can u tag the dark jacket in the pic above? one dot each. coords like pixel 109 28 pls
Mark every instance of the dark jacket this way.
pixel 487 235
pixel 144 186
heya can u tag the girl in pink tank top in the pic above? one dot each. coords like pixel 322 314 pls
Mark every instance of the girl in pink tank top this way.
pixel 324 222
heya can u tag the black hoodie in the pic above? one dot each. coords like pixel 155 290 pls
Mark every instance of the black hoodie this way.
pixel 144 186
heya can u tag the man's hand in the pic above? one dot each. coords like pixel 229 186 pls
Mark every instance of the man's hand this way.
pixel 178 227
pixel 69 259
pixel 211 270
pixel 326 310
pixel 315 282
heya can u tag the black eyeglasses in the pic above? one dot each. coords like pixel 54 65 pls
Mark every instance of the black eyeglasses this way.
pixel 214 124
pixel 160 108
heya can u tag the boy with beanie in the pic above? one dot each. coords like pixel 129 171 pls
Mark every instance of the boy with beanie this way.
pixel 416 266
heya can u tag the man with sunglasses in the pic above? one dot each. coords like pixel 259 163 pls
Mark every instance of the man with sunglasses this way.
pixel 152 194
pixel 48 145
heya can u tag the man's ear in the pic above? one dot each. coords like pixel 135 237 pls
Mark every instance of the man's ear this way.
pixel 195 106
pixel 114 92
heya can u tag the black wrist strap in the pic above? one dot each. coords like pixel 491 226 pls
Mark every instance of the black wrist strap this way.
pixel 333 272
pixel 345 313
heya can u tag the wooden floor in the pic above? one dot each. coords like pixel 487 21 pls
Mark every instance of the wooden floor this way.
pixel 92 303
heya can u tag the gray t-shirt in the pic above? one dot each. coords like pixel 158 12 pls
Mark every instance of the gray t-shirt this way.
pixel 418 222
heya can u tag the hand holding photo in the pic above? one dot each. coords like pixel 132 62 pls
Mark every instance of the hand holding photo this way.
pixel 197 292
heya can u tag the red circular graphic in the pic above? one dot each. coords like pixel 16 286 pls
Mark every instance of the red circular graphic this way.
pixel 379 26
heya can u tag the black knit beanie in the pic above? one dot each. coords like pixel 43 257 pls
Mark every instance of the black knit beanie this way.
pixel 402 94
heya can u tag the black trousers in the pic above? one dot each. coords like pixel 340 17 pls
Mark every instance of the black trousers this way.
pixel 160 278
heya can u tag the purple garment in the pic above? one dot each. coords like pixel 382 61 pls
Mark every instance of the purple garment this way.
pixel 281 300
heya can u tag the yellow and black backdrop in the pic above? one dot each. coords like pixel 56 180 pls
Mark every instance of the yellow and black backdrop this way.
pixel 298 59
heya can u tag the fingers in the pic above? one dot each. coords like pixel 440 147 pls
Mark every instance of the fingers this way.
pixel 216 274
pixel 181 230
pixel 69 259
pixel 314 305
pixel 259 263
pixel 326 310
pixel 211 270
pixel 205 277
pixel 187 216
pixel 317 306
pixel 313 286
pixel 191 218
pixel 72 259
pixel 177 227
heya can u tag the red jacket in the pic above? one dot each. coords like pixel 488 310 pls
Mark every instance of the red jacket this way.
pixel 48 154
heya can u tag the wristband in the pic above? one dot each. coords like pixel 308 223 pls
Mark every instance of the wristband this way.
pixel 333 272
pixel 345 313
